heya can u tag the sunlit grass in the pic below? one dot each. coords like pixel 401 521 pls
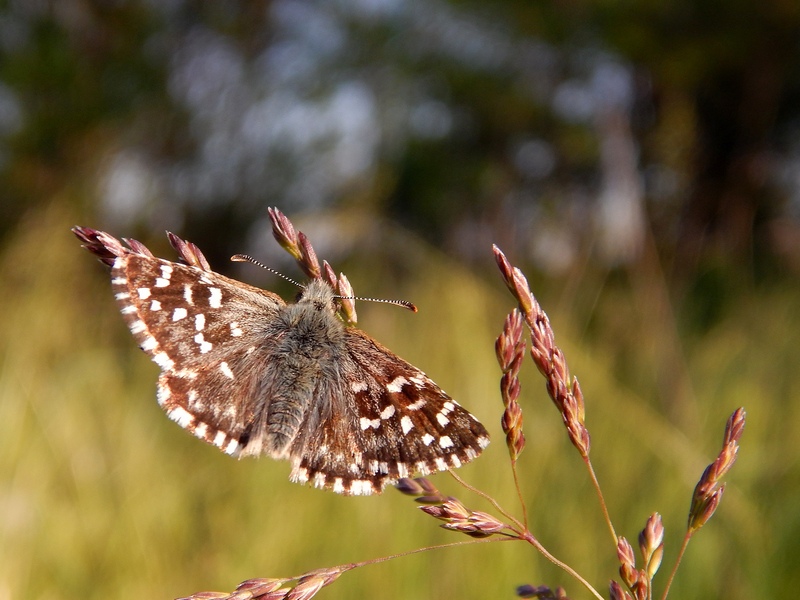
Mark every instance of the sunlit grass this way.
pixel 102 496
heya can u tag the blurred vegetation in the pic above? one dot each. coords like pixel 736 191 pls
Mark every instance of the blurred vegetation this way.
pixel 641 162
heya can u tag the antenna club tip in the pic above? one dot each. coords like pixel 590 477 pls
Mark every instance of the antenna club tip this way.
pixel 240 258
pixel 410 306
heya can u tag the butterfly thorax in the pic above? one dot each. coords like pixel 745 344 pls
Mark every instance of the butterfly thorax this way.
pixel 308 338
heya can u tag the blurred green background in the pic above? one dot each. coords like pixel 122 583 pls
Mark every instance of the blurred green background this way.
pixel 640 161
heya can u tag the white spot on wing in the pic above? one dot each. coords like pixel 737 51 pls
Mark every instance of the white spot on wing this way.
pixel 300 475
pixel 338 485
pixel 128 310
pixel 235 329
pixel 443 420
pixel 161 282
pixel 387 412
pixel 367 423
pixel 219 439
pixel 199 321
pixel 215 297
pixel 200 430
pixel 137 327
pixel 163 394
pixel 187 294
pixel 427 439
pixel 144 293
pixel 226 370
pixel 416 405
pixel 232 448
pixel 445 442
pixel 122 296
pixel 155 305
pixel 179 313
pixel 396 385
pixel 149 344
pixel 361 487
pixel 186 374
pixel 406 424
pixel 205 346
pixel 359 386
pixel 181 416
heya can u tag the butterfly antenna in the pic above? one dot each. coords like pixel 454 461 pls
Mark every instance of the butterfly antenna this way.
pixel 403 303
pixel 250 259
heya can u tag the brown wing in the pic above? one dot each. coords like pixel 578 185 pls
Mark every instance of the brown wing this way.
pixel 392 421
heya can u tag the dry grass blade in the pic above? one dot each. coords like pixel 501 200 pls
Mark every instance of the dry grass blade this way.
pixel 188 252
pixel 458 517
pixel 284 232
pixel 651 544
pixel 295 243
pixel 617 593
pixel 347 304
pixel 510 350
pixel 707 495
pixel 426 492
pixel 306 587
pixel 106 247
pixel 542 592
pixel 562 389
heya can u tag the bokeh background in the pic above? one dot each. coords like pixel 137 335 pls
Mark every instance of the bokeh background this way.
pixel 639 160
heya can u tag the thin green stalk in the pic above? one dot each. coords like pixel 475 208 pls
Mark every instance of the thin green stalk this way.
pixel 601 498
pixel 531 539
pixel 682 551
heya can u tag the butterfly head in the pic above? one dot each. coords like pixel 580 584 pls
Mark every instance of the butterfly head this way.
pixel 319 295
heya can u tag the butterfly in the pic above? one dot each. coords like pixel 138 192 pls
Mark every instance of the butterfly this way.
pixel 250 374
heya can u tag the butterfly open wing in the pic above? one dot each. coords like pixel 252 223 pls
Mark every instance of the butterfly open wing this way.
pixel 204 331
pixel 398 422
pixel 225 350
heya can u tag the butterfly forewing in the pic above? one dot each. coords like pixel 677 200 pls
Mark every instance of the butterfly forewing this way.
pixel 252 375
pixel 203 330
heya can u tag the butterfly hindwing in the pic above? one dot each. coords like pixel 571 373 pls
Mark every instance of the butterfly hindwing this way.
pixel 399 422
